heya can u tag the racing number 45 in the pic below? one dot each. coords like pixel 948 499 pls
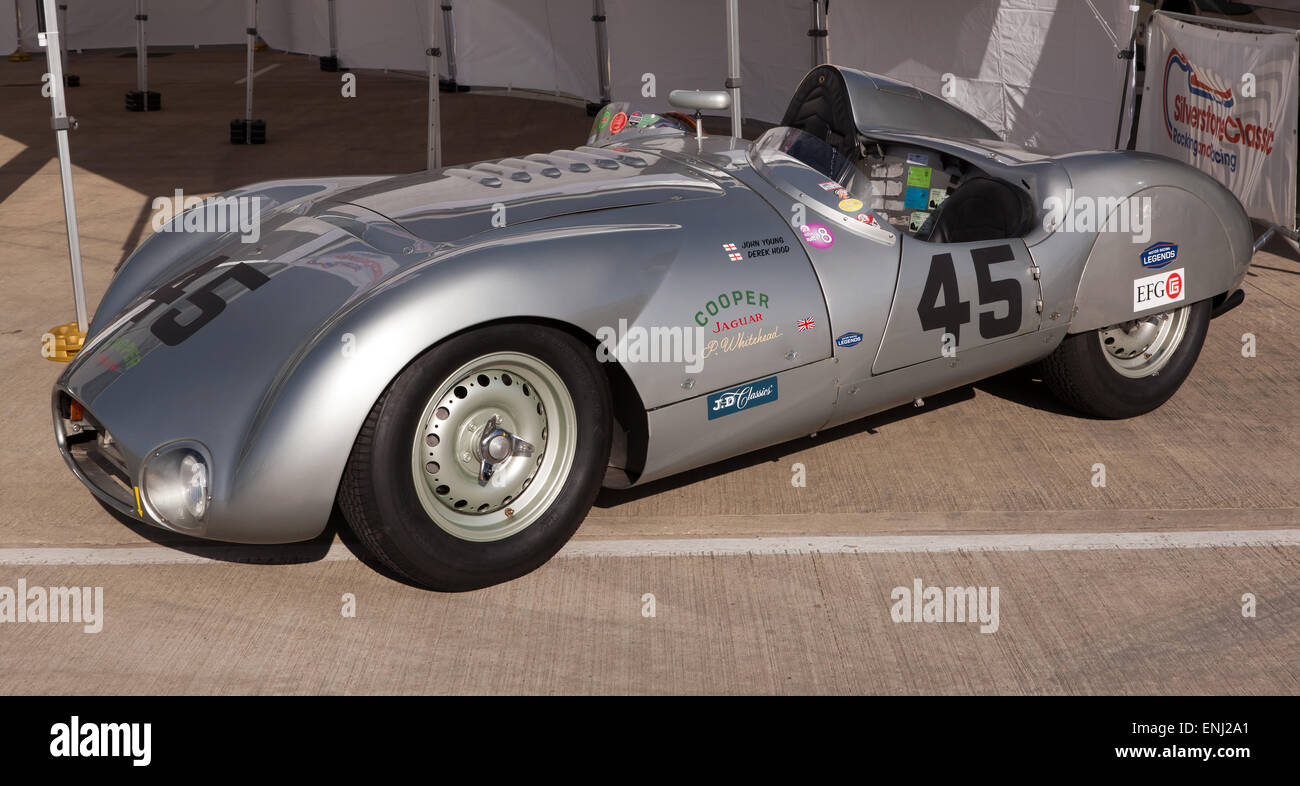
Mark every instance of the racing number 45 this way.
pixel 942 282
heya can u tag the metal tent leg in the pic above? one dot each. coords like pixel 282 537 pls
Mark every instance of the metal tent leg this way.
pixel 602 56
pixel 142 99
pixel 246 130
pixel 63 341
pixel 433 133
pixel 818 33
pixel 450 85
pixel 733 64
pixel 331 63
pixel 71 80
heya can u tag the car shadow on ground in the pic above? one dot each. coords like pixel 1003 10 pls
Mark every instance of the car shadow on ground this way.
pixel 1022 386
pixel 304 552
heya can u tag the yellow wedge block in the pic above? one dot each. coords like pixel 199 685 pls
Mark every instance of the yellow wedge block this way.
pixel 62 342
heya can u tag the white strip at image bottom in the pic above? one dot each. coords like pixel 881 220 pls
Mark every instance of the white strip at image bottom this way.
pixel 703 547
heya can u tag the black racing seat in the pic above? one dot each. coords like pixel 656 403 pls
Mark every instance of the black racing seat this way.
pixel 982 208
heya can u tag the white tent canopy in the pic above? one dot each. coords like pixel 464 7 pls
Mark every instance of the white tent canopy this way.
pixel 1044 73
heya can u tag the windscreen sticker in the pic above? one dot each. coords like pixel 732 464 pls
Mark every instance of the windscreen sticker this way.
pixel 850 205
pixel 618 123
pixel 829 185
pixel 937 195
pixel 917 198
pixel 917 220
pixel 817 235
pixel 921 159
pixel 918 177
pixel 604 120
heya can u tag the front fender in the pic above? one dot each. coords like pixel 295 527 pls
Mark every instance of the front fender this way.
pixel 286 477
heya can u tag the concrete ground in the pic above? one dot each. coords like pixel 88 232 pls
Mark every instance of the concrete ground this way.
pixel 759 586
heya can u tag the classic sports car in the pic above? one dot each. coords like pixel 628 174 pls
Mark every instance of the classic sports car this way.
pixel 460 359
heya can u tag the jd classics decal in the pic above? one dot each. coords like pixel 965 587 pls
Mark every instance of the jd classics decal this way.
pixel 745 396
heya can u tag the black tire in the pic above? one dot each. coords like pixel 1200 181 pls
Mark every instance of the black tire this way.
pixel 1081 377
pixel 378 496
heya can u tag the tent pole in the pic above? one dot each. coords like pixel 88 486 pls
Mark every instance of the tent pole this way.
pixel 334 33
pixel 330 62
pixel 818 33
pixel 61 122
pixel 251 34
pixel 602 55
pixel 1128 106
pixel 141 53
pixel 141 99
pixel 449 33
pixel 432 53
pixel 733 63
pixel 63 25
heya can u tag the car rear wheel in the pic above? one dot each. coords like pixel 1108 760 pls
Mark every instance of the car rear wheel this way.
pixel 1131 367
pixel 482 458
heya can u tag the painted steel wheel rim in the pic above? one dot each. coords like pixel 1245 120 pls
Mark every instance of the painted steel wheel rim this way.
pixel 494 446
pixel 1142 347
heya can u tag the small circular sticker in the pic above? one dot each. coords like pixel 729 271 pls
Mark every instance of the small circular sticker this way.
pixel 618 123
pixel 1174 286
pixel 841 193
pixel 866 218
pixel 604 119
pixel 817 235
pixel 850 205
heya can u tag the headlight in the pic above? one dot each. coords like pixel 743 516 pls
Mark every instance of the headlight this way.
pixel 176 486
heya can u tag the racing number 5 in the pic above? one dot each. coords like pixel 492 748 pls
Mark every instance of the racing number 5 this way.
pixel 942 280
pixel 210 304
pixel 993 290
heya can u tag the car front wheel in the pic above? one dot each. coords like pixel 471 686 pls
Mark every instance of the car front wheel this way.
pixel 482 458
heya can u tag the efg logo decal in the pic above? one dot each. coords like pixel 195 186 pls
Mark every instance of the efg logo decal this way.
pixel 848 339
pixel 1157 255
pixel 743 397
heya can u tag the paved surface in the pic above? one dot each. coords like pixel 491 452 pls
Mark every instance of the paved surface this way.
pixel 1000 458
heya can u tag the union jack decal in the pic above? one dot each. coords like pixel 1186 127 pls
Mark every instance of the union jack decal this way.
pixel 806 324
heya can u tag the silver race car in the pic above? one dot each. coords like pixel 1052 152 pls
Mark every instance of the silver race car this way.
pixel 460 359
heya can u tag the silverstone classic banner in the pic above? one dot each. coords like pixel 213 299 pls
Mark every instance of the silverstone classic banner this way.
pixel 1224 101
